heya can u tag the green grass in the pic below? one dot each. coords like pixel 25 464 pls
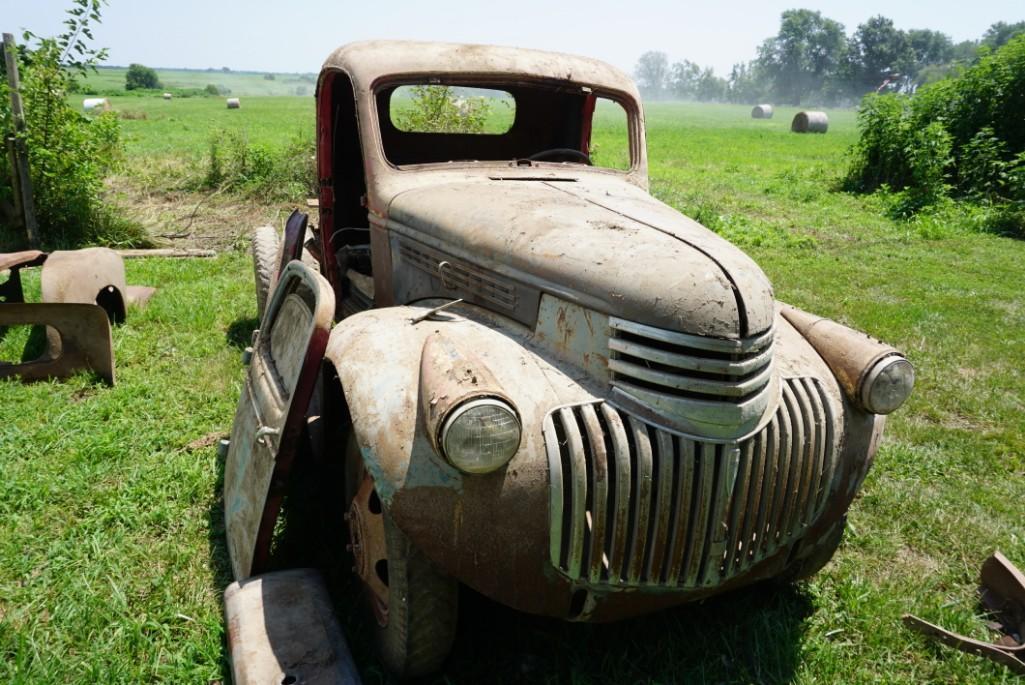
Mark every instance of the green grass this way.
pixel 238 82
pixel 111 552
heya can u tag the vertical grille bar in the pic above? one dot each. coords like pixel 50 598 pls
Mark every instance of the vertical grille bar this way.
pixel 658 553
pixel 700 505
pixel 555 489
pixel 578 492
pixel 641 496
pixel 684 473
pixel 596 558
pixel 621 509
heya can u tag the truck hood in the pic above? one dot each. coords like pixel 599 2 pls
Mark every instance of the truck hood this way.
pixel 603 238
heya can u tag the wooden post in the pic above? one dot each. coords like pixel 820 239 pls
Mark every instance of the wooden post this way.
pixel 19 156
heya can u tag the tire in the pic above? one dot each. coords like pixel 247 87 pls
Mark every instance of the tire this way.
pixel 820 554
pixel 265 246
pixel 422 610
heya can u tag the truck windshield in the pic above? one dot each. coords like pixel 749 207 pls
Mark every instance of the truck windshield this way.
pixel 432 123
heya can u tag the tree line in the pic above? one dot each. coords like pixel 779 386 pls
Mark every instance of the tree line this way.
pixel 812 59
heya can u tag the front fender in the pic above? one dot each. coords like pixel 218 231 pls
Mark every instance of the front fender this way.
pixel 490 531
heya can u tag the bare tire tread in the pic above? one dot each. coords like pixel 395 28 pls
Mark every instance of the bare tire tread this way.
pixel 265 253
pixel 422 612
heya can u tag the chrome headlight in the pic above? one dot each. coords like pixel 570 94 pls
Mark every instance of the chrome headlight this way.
pixel 481 435
pixel 887 384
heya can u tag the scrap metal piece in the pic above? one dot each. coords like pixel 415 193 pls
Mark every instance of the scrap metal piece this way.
pixel 95 275
pixel 79 339
pixel 1003 593
pixel 282 629
pixel 14 262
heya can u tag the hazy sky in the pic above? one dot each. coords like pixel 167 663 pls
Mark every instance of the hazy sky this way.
pixel 277 35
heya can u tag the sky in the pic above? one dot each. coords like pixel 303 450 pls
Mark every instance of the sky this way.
pixel 296 36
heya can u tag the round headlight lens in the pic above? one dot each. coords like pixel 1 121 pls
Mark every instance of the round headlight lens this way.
pixel 481 435
pixel 887 385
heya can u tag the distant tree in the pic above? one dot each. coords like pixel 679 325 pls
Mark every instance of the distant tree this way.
pixel 710 88
pixel 268 77
pixel 745 84
pixel 965 51
pixel 301 91
pixel 139 76
pixel 808 49
pixel 1001 32
pixel 211 89
pixel 930 47
pixel 652 74
pixel 879 52
pixel 225 69
pixel 683 79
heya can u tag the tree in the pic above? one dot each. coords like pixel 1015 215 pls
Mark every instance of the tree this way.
pixel 879 53
pixel 683 79
pixel 808 49
pixel 139 76
pixel 999 33
pixel 68 154
pixel 652 74
pixel 437 109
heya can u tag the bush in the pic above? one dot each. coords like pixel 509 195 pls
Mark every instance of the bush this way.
pixel 69 154
pixel 436 109
pixel 211 89
pixel 139 77
pixel 964 135
pixel 234 164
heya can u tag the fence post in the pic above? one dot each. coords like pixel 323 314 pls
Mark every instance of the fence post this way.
pixel 16 146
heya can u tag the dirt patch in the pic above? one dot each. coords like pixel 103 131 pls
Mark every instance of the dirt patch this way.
pixel 915 562
pixel 189 219
pixel 207 440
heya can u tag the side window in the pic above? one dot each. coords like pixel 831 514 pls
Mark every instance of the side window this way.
pixel 610 135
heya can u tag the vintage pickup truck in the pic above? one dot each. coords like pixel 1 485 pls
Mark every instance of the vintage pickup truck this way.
pixel 515 369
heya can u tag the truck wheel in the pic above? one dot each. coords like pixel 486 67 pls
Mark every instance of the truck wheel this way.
pixel 820 554
pixel 265 246
pixel 411 606
pixel 420 626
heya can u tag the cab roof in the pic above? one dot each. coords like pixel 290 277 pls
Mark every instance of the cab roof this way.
pixel 366 62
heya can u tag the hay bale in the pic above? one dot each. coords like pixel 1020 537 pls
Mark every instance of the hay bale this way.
pixel 167 96
pixel 233 103
pixel 810 122
pixel 96 105
pixel 761 112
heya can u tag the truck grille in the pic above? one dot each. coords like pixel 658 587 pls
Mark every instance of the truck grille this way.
pixel 695 381
pixel 633 504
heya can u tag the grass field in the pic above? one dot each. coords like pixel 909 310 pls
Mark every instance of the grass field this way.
pixel 111 550
pixel 107 79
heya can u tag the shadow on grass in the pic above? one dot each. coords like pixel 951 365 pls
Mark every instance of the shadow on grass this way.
pixel 240 332
pixel 219 562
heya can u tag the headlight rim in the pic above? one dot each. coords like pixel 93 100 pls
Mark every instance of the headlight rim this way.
pixel 460 408
pixel 874 372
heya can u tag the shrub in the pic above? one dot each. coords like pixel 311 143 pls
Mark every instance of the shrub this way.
pixel 211 89
pixel 436 109
pixel 236 165
pixel 964 134
pixel 138 77
pixel 69 154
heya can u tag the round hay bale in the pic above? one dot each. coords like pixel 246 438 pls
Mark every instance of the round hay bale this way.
pixel 810 122
pixel 233 103
pixel 167 96
pixel 96 105
pixel 761 112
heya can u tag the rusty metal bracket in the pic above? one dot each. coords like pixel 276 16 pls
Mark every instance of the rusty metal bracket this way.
pixel 78 338
pixel 1003 594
